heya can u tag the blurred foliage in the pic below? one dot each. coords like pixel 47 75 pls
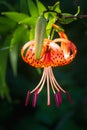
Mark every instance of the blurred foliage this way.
pixel 17 23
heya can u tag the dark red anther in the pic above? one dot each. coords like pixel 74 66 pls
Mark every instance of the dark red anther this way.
pixel 69 97
pixel 27 98
pixel 35 98
pixel 56 99
pixel 60 96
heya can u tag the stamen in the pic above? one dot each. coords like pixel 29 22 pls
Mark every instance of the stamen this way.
pixel 48 89
pixel 55 82
pixel 51 81
pixel 41 81
pixel 35 98
pixel 60 96
pixel 69 97
pixel 56 97
pixel 27 98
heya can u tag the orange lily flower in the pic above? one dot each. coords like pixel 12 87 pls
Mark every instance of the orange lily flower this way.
pixel 58 52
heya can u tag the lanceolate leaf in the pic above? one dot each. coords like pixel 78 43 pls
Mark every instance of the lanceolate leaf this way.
pixel 32 8
pixel 32 32
pixel 17 36
pixel 7 5
pixel 56 7
pixel 8 22
pixel 6 25
pixel 14 58
pixel 23 6
pixel 4 91
pixel 41 7
pixel 16 39
pixel 15 16
pixel 28 21
pixel 64 20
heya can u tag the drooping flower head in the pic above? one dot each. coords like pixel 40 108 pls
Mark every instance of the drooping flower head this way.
pixel 58 52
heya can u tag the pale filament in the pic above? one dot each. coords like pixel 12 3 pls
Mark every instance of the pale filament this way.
pixel 49 76
pixel 41 83
pixel 51 81
pixel 57 86
pixel 48 87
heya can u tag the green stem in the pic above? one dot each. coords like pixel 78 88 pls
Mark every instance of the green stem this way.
pixel 66 17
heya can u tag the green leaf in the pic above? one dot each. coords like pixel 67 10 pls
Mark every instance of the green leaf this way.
pixel 16 39
pixel 14 58
pixel 41 7
pixel 4 48
pixel 28 21
pixel 32 32
pixel 55 7
pixel 64 20
pixel 3 58
pixel 4 29
pixel 4 91
pixel 3 64
pixel 23 6
pixel 17 36
pixel 32 8
pixel 7 5
pixel 49 26
pixel 7 21
pixel 6 24
pixel 15 16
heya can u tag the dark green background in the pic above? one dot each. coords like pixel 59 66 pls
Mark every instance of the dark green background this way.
pixel 73 77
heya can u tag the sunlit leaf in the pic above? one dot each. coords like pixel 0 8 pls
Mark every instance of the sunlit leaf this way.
pixel 29 21
pixel 17 36
pixel 15 16
pixel 52 20
pixel 49 26
pixel 41 7
pixel 32 32
pixel 32 8
pixel 55 7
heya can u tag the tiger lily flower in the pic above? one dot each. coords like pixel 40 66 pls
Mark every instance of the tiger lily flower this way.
pixel 58 52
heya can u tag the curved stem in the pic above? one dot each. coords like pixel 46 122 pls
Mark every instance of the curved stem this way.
pixel 78 16
pixel 66 17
